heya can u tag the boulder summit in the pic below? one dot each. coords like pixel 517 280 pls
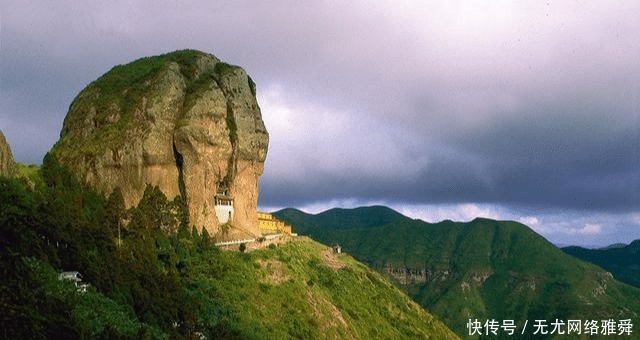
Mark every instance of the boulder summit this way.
pixel 184 121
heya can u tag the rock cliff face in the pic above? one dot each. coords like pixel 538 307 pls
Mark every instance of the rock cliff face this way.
pixel 415 276
pixel 7 163
pixel 184 121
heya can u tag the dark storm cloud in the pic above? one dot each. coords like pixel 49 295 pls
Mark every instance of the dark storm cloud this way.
pixel 543 113
pixel 584 161
pixel 500 103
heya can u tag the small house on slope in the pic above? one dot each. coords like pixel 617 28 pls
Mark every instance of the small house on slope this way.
pixel 74 277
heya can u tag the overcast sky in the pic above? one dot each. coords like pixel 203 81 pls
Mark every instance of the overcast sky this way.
pixel 523 110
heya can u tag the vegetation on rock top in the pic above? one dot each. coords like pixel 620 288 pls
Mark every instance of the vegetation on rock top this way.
pixel 119 93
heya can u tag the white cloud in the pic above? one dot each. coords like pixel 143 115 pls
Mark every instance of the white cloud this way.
pixel 635 217
pixel 318 207
pixel 531 221
pixel 312 141
pixel 566 228
pixel 587 229
pixel 455 212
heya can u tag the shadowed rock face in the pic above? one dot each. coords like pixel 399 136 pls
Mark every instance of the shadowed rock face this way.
pixel 7 163
pixel 184 121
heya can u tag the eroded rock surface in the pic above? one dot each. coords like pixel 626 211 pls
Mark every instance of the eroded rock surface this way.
pixel 184 121
pixel 7 163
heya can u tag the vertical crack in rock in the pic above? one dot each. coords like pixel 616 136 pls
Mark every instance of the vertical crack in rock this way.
pixel 233 138
pixel 179 165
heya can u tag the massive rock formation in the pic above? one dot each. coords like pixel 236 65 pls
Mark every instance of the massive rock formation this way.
pixel 184 121
pixel 7 163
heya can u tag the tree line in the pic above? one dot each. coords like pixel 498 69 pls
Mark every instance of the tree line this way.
pixel 139 262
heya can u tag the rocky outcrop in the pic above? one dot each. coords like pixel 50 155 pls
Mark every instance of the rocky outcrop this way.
pixel 415 276
pixel 7 163
pixel 184 121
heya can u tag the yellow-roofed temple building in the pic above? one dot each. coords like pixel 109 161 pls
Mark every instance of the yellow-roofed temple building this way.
pixel 271 225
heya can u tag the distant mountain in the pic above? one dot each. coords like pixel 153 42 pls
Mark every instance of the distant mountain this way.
pixel 483 269
pixel 339 218
pixel 623 261
pixel 611 246
pixel 588 246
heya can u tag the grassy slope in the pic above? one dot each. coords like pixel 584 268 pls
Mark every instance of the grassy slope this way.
pixel 30 172
pixel 302 290
pixel 297 290
pixel 623 262
pixel 528 277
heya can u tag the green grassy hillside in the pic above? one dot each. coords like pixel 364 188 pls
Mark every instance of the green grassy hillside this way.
pixel 482 269
pixel 622 261
pixel 151 276
pixel 303 290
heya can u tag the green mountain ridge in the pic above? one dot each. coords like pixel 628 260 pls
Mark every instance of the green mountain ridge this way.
pixel 482 269
pixel 338 217
pixel 622 260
